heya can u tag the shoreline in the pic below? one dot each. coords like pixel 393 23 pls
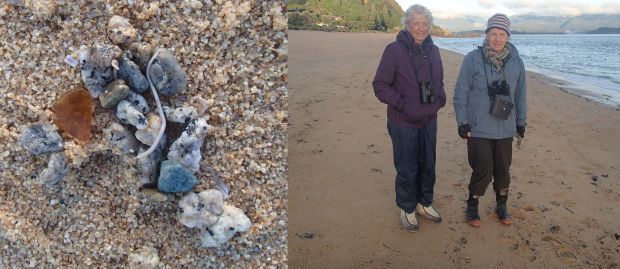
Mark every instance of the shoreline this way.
pixel 566 85
pixel 565 179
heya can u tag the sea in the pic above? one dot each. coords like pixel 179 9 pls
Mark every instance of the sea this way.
pixel 585 65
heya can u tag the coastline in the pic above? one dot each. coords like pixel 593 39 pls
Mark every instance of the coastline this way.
pixel 341 176
pixel 586 91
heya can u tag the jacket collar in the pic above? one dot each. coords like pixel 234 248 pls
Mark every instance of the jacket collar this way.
pixel 407 38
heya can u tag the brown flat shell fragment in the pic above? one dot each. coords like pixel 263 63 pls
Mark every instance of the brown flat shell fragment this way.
pixel 73 113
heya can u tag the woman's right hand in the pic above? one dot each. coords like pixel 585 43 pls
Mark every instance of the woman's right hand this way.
pixel 464 131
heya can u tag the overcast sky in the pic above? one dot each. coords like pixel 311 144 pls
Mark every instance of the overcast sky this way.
pixel 485 8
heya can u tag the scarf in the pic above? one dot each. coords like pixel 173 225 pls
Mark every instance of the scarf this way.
pixel 496 58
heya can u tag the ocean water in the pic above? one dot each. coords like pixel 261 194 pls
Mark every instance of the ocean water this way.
pixel 587 65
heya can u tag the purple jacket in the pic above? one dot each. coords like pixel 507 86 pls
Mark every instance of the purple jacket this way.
pixel 396 83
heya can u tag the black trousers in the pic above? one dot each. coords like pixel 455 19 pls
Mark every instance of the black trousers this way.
pixel 489 159
pixel 414 160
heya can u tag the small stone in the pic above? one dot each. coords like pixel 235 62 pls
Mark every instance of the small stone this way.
pixel 42 8
pixel 129 115
pixel 154 195
pixel 200 210
pixel 96 66
pixel 121 139
pixel 20 3
pixel 120 31
pixel 40 138
pixel 186 149
pixel 147 135
pixel 138 102
pixel 144 258
pixel 175 178
pixel 114 93
pixel 71 61
pixel 594 177
pixel 55 171
pixel 166 74
pixel 180 114
pixel 231 221
pixel 554 229
pixel 141 53
pixel 149 166
pixel 130 72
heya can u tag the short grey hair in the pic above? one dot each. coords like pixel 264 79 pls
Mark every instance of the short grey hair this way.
pixel 419 10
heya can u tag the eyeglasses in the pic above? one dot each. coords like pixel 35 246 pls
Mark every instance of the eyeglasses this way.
pixel 419 25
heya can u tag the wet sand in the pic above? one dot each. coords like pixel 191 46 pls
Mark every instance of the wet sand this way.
pixel 341 205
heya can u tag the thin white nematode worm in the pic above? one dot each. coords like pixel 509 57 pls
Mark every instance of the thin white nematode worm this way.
pixel 161 110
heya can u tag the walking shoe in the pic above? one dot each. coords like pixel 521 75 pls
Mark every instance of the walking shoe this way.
pixel 428 212
pixel 502 213
pixel 471 214
pixel 409 221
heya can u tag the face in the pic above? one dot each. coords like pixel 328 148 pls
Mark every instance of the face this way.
pixel 497 39
pixel 418 27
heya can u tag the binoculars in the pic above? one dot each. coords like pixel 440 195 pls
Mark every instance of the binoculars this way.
pixel 499 88
pixel 426 92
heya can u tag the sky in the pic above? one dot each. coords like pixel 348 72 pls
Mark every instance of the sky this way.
pixel 484 8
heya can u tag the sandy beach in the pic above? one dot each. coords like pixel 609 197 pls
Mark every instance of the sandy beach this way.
pixel 565 186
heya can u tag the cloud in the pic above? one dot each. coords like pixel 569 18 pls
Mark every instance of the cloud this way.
pixel 561 7
pixel 486 3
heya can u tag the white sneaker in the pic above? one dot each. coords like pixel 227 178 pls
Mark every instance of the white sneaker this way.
pixel 428 212
pixel 409 221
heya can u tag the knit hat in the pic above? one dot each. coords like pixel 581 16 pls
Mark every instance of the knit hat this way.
pixel 499 21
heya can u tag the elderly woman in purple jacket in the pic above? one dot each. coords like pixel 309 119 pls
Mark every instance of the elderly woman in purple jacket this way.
pixel 409 80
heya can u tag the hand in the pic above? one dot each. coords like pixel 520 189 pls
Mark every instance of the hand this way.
pixel 464 131
pixel 521 130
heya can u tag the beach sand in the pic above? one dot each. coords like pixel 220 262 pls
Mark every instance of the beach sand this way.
pixel 341 206
pixel 234 55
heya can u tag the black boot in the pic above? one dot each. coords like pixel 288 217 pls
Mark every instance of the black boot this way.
pixel 501 196
pixel 472 211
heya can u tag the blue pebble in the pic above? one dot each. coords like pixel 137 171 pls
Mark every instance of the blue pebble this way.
pixel 130 72
pixel 40 138
pixel 175 178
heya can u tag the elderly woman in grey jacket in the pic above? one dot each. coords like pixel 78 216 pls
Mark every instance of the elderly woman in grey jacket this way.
pixel 491 107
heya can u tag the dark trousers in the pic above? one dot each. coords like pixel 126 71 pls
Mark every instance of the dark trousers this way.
pixel 414 160
pixel 489 158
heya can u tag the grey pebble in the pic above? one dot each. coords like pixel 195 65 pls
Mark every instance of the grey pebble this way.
pixel 114 93
pixel 149 167
pixel 130 72
pixel 96 66
pixel 56 170
pixel 40 138
pixel 141 53
pixel 167 75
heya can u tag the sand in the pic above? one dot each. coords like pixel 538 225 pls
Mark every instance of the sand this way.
pixel 234 55
pixel 341 206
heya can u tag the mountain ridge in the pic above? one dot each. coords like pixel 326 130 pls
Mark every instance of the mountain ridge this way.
pixel 538 24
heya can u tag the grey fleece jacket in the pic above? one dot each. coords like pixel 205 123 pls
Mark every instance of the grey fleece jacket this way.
pixel 472 102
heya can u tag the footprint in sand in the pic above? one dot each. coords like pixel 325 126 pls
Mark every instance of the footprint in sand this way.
pixel 566 255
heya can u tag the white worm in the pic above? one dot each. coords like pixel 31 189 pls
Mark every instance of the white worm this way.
pixel 115 64
pixel 161 110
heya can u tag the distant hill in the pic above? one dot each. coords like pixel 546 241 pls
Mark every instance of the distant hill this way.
pixel 344 15
pixel 537 24
pixel 532 23
pixel 605 30
pixel 348 16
